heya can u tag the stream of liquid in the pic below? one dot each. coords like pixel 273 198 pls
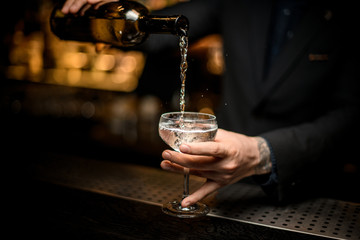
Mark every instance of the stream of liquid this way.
pixel 183 44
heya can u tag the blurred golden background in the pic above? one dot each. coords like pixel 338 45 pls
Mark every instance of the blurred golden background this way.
pixel 64 96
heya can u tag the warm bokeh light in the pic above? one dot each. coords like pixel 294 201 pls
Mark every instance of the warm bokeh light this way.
pixel 74 76
pixel 99 85
pixel 16 72
pixel 74 59
pixel 212 47
pixel 57 75
pixel 207 110
pixel 215 63
pixel 42 57
pixel 128 64
pixel 104 62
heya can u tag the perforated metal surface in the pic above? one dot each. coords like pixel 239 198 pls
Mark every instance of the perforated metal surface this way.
pixel 239 202
pixel 323 217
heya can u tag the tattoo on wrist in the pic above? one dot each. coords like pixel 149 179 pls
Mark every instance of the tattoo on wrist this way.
pixel 265 164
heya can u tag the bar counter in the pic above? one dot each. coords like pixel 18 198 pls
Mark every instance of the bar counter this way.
pixel 66 197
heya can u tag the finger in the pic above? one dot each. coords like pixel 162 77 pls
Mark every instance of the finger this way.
pixel 214 149
pixel 77 5
pixel 172 167
pixel 84 9
pixel 190 161
pixel 99 4
pixel 100 1
pixel 207 188
pixel 94 1
pixel 66 6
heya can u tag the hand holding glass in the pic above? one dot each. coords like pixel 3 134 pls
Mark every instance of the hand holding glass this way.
pixel 176 128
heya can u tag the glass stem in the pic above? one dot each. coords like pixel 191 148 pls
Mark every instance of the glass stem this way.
pixel 186 183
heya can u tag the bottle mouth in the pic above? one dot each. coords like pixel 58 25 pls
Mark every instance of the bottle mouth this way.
pixel 181 26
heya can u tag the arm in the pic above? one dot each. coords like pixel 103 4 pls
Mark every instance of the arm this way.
pixel 265 165
pixel 310 157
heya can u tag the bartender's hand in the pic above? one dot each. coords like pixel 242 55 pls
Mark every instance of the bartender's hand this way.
pixel 230 158
pixel 80 6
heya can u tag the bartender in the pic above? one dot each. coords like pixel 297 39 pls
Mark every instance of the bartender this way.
pixel 290 96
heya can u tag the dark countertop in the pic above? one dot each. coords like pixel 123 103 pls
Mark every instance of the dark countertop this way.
pixel 64 197
pixel 65 213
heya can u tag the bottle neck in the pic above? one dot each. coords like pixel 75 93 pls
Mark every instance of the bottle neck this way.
pixel 177 25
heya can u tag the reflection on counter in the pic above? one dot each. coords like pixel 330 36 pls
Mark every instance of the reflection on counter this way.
pixel 64 118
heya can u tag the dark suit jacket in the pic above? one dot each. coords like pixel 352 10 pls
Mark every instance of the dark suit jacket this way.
pixel 307 105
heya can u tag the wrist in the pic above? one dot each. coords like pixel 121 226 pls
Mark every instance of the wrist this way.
pixel 264 164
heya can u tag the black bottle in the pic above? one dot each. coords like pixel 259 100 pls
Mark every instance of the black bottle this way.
pixel 121 24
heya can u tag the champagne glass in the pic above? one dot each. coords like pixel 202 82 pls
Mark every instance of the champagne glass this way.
pixel 176 128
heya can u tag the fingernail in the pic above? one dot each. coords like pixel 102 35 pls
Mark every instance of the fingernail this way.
pixel 166 166
pixel 185 203
pixel 184 148
pixel 166 155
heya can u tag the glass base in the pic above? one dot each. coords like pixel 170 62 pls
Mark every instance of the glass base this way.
pixel 174 208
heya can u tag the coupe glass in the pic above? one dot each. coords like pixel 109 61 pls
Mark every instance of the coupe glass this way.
pixel 176 128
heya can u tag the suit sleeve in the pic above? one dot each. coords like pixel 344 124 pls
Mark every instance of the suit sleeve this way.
pixel 310 157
